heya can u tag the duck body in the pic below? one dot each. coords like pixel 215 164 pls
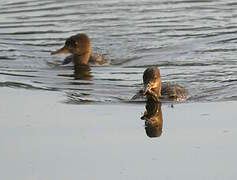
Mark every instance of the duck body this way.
pixel 98 59
pixel 95 59
pixel 79 46
pixel 174 92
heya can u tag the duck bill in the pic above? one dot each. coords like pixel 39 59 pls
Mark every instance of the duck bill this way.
pixel 149 92
pixel 146 89
pixel 63 50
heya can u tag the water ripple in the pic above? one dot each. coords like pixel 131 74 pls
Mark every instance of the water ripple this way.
pixel 193 43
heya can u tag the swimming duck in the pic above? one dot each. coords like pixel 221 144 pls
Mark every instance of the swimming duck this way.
pixel 79 46
pixel 152 82
pixel 160 91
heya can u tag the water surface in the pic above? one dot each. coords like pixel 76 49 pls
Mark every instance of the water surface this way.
pixel 49 140
pixel 193 43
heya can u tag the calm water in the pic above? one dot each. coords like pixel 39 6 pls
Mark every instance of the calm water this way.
pixel 193 43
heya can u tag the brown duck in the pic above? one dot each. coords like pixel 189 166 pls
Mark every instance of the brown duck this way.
pixel 158 90
pixel 79 46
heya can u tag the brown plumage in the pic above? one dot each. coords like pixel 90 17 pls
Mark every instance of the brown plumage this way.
pixel 152 82
pixel 79 46
pixel 154 88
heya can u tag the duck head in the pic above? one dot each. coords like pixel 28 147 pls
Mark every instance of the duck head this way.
pixel 152 82
pixel 79 46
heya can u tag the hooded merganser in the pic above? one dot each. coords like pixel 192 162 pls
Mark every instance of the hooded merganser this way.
pixel 160 91
pixel 79 46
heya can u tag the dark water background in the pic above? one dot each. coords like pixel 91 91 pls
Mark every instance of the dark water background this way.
pixel 193 43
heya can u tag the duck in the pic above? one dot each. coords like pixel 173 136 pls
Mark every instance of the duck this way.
pixel 153 87
pixel 152 83
pixel 79 46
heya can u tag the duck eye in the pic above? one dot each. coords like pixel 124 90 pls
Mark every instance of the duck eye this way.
pixel 70 43
pixel 73 44
pixel 67 43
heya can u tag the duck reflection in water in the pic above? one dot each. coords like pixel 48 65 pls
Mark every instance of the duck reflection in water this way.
pixel 153 118
pixel 82 72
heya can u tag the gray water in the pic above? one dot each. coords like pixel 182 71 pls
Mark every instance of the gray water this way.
pixel 192 42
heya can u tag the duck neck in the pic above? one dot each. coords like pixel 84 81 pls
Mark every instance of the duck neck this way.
pixel 81 59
